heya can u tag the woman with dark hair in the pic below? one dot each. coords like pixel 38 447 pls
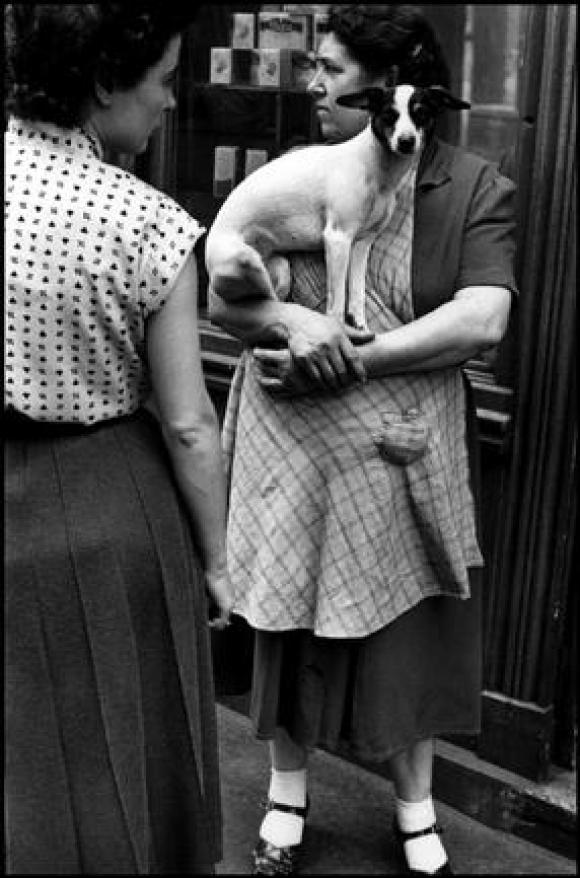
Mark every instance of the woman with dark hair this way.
pixel 352 529
pixel 115 519
pixel 380 36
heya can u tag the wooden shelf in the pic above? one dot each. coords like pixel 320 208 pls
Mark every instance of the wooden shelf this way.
pixel 266 89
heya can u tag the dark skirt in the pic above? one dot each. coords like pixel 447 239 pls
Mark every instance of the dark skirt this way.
pixel 111 762
pixel 416 678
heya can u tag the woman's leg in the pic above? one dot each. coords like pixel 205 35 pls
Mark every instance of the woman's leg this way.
pixel 282 829
pixel 286 754
pixel 287 787
pixel 412 773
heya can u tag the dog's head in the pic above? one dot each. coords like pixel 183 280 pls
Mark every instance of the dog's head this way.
pixel 402 115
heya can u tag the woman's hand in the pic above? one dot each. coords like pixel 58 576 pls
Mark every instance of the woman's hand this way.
pixel 279 374
pixel 324 350
pixel 222 593
pixel 282 374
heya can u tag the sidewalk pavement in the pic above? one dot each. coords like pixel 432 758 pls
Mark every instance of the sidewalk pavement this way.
pixel 349 825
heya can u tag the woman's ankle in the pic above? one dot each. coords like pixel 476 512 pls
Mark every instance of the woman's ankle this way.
pixel 286 754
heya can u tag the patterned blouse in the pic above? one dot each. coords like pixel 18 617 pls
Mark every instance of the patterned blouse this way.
pixel 90 252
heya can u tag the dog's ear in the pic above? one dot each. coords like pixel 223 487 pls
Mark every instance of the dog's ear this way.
pixel 370 99
pixel 444 98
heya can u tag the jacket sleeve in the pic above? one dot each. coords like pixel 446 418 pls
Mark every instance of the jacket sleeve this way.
pixel 488 247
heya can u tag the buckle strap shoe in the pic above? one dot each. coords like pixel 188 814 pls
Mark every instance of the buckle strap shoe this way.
pixel 268 858
pixel 401 837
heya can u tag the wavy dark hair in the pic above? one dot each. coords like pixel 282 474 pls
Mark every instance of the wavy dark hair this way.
pixel 382 36
pixel 56 52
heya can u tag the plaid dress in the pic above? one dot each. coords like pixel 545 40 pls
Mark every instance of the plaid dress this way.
pixel 347 509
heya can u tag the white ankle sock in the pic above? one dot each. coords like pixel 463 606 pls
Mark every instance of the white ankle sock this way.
pixel 278 827
pixel 288 787
pixel 426 852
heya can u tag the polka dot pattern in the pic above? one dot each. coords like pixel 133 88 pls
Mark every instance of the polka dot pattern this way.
pixel 90 252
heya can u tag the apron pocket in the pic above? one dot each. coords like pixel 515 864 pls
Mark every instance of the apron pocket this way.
pixel 403 437
pixel 406 440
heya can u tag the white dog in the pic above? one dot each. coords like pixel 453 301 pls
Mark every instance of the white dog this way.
pixel 335 198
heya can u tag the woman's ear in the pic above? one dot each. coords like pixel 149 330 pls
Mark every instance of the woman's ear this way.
pixel 103 95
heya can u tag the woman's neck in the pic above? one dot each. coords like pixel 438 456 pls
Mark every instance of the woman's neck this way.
pixel 92 128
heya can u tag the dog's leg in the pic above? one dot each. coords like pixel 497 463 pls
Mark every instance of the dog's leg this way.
pixel 337 254
pixel 355 310
pixel 236 270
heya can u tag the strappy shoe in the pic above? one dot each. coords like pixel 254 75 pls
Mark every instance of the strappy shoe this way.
pixel 268 859
pixel 401 837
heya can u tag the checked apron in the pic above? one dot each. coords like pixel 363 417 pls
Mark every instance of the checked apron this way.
pixel 347 509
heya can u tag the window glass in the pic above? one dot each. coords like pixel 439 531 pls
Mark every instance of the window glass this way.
pixel 492 51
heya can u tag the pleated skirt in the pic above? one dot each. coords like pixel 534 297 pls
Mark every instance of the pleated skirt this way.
pixel 111 760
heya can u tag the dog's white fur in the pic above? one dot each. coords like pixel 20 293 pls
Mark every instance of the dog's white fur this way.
pixel 404 129
pixel 334 197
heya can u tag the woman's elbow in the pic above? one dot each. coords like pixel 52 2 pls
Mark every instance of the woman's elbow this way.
pixel 190 432
pixel 491 331
pixel 498 319
pixel 487 316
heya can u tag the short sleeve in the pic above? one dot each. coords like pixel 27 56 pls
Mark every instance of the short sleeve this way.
pixel 489 240
pixel 168 237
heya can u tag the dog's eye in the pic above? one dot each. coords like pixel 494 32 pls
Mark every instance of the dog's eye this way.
pixel 420 114
pixel 390 116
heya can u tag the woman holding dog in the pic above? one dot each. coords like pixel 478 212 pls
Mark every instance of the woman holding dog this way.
pixel 352 531
pixel 115 523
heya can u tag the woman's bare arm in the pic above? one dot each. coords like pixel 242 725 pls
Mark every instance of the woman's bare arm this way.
pixel 190 425
pixel 473 321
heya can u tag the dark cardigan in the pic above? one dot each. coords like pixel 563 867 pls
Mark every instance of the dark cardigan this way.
pixel 464 235
pixel 464 232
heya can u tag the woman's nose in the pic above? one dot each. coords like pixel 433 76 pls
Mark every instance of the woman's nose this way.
pixel 315 86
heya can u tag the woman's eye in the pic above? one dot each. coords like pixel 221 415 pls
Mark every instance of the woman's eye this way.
pixel 328 68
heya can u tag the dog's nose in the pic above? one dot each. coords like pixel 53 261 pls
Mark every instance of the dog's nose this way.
pixel 406 144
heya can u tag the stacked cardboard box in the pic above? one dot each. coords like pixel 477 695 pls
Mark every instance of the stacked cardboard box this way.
pixel 268 49
pixel 233 162
pixel 271 49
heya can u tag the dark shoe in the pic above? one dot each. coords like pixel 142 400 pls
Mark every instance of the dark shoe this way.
pixel 402 837
pixel 271 860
